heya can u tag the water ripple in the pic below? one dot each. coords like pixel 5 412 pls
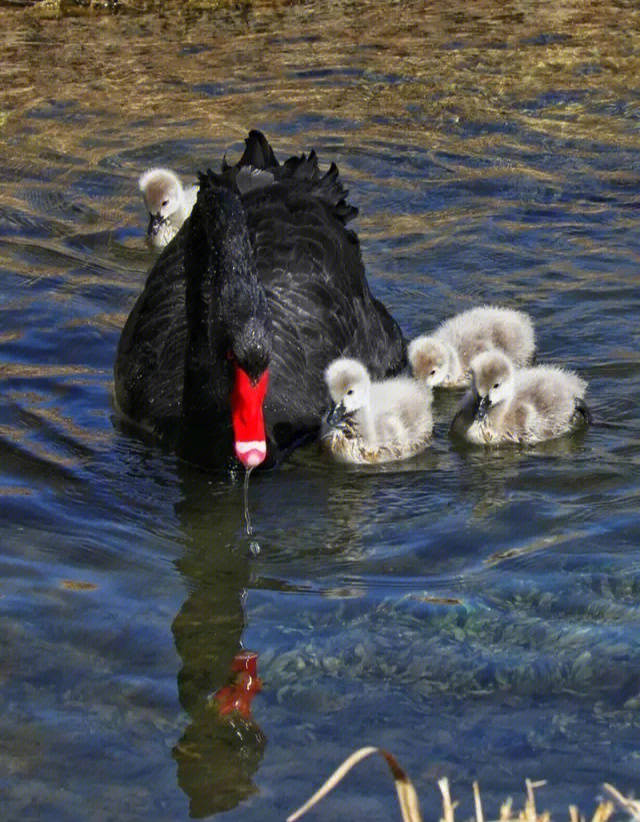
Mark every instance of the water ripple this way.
pixel 475 611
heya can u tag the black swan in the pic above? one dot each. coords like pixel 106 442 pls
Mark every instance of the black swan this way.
pixel 225 350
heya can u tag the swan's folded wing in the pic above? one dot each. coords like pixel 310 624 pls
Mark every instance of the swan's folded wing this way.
pixel 149 365
pixel 314 264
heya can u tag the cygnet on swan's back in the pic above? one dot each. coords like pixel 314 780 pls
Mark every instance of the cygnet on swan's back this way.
pixel 443 357
pixel 373 422
pixel 168 204
pixel 524 405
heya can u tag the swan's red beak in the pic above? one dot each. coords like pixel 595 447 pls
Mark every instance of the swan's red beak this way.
pixel 247 419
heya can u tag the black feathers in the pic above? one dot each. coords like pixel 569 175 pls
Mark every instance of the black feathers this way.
pixel 265 273
pixel 301 174
pixel 258 153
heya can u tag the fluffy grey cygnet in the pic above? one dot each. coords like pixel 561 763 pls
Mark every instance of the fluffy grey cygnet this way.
pixel 168 203
pixel 443 357
pixel 373 422
pixel 526 405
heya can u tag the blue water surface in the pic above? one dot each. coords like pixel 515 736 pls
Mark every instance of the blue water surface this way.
pixel 474 611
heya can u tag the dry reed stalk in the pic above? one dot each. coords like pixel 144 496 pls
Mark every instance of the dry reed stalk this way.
pixel 477 803
pixel 604 811
pixel 631 806
pixel 410 807
pixel 407 796
pixel 505 810
pixel 448 808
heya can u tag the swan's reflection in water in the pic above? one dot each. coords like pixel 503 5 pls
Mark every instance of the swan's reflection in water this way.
pixel 325 529
pixel 222 746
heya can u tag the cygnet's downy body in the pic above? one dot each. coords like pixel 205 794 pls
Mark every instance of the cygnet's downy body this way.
pixel 168 203
pixel 373 422
pixel 443 357
pixel 525 405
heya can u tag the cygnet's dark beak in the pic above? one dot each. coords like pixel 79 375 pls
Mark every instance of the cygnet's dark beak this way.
pixel 336 414
pixel 483 408
pixel 155 222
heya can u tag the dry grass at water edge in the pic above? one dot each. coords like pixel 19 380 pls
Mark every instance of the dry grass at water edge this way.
pixel 410 805
pixel 85 7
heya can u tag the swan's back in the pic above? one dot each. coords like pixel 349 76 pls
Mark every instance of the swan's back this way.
pixel 488 327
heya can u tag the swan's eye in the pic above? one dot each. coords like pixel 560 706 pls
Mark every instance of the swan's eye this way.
pixel 350 391
pixel 165 203
pixel 433 373
pixel 497 385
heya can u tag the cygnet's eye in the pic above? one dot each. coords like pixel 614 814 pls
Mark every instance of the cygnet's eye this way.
pixel 496 385
pixel 433 373
pixel 350 391
pixel 165 203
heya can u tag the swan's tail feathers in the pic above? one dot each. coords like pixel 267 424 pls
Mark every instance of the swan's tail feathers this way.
pixel 264 170
pixel 331 190
pixel 327 187
pixel 583 410
pixel 302 168
pixel 258 153
pixel 345 212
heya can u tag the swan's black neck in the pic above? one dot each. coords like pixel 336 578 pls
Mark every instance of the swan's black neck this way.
pixel 225 303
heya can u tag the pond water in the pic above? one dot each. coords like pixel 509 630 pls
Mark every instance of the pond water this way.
pixel 476 612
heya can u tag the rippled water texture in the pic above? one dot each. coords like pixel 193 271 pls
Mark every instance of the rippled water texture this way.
pixel 476 612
